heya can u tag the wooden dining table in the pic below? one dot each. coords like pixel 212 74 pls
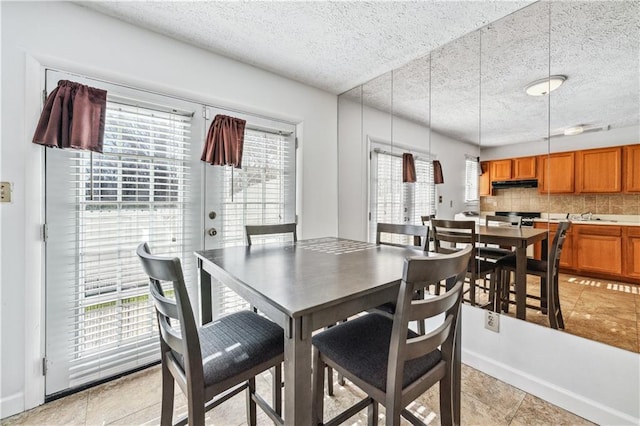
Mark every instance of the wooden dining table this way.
pixel 303 287
pixel 520 239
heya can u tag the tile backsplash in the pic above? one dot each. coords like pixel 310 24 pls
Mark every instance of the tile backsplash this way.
pixel 529 199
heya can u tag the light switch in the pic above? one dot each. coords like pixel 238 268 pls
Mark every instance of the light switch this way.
pixel 5 192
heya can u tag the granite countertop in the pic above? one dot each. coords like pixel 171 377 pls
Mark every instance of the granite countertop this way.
pixel 596 219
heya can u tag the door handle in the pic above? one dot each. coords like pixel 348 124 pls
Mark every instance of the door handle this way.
pixel 212 232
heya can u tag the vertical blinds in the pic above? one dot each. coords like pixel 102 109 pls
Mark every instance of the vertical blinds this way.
pixel 396 202
pixel 471 186
pixel 99 208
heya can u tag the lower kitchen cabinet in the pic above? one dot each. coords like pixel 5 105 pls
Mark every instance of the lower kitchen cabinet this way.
pixel 631 240
pixel 598 249
pixel 566 258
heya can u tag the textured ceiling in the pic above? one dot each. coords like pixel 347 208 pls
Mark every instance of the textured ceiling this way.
pixel 330 45
pixel 484 74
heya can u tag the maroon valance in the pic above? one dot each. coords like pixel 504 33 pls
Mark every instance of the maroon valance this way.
pixel 73 117
pixel 437 172
pixel 408 168
pixel 224 142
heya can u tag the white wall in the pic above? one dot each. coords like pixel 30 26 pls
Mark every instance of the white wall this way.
pixel 72 38
pixel 353 132
pixel 613 137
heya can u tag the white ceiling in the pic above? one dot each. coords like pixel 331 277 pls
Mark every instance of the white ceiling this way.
pixel 337 46
pixel 330 45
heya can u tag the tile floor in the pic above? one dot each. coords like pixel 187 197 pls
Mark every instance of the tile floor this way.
pixel 601 310
pixel 135 400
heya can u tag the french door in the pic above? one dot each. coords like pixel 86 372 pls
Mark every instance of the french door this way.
pixel 149 185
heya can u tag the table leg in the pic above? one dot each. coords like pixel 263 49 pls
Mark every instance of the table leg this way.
pixel 297 374
pixel 204 295
pixel 521 282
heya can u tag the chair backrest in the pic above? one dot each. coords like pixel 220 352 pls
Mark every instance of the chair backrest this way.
pixel 282 228
pixel 419 233
pixel 453 232
pixel 170 312
pixel 514 221
pixel 426 219
pixel 556 248
pixel 417 271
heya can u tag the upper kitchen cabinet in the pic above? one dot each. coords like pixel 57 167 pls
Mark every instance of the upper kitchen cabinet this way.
pixel 501 170
pixel 485 178
pixel 556 173
pixel 631 170
pixel 599 170
pixel 524 168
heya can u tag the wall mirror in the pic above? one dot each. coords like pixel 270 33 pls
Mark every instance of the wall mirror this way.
pixel 468 99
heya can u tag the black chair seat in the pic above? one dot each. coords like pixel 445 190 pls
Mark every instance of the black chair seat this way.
pixel 533 265
pixel 236 343
pixel 353 346
pixel 483 267
pixel 492 252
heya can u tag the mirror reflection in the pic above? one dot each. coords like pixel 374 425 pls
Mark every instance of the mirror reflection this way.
pixel 571 153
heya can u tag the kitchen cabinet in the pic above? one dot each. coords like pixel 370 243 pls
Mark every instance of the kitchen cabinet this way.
pixel 556 173
pixel 524 168
pixel 598 248
pixel 599 170
pixel 566 258
pixel 631 168
pixel 501 170
pixel 631 260
pixel 485 178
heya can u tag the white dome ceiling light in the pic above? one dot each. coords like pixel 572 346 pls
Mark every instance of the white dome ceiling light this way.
pixel 545 85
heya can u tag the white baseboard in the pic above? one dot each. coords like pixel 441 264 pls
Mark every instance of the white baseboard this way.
pixel 11 405
pixel 570 401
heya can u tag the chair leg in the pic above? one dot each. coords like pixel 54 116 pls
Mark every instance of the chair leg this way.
pixel 251 404
pixel 317 385
pixel 446 399
pixel 472 289
pixel 166 416
pixel 276 377
pixel 372 414
pixel 544 295
pixel 329 381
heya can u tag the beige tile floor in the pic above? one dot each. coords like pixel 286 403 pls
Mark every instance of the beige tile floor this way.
pixel 601 310
pixel 135 400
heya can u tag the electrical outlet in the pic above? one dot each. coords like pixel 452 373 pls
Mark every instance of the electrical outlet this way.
pixel 5 192
pixel 492 321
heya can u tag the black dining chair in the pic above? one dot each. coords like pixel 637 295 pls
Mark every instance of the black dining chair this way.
pixel 281 228
pixel 547 270
pixel 447 235
pixel 390 362
pixel 492 252
pixel 216 361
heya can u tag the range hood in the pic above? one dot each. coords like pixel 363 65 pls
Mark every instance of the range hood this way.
pixel 523 183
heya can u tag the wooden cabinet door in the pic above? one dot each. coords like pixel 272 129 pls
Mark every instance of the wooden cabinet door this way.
pixel 631 170
pixel 598 249
pixel 524 168
pixel 485 179
pixel 632 259
pixel 501 170
pixel 599 170
pixel 556 173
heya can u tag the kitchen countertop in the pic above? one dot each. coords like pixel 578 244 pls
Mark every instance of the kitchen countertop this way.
pixel 618 220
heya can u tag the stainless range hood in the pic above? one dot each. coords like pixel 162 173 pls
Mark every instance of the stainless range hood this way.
pixel 524 183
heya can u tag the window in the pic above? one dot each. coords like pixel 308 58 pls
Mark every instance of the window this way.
pixel 471 180
pixel 99 207
pixel 393 201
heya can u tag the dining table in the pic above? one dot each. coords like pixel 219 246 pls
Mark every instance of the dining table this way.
pixel 305 286
pixel 518 238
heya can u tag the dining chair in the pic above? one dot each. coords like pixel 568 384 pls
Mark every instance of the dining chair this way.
pixel 494 252
pixel 214 362
pixel 547 270
pixel 387 360
pixel 420 240
pixel 282 228
pixel 454 232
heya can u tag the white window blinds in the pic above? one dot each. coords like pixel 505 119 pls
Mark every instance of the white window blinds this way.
pixel 99 207
pixel 472 171
pixel 393 201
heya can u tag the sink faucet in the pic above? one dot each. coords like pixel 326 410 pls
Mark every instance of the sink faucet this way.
pixel 588 214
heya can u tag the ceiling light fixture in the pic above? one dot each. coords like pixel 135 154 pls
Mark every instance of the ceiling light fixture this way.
pixel 572 131
pixel 544 86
